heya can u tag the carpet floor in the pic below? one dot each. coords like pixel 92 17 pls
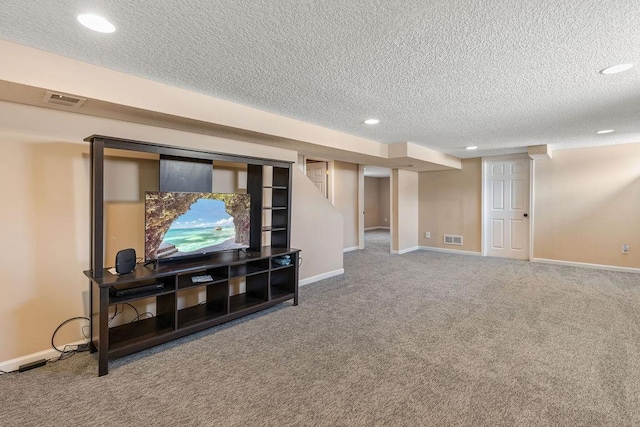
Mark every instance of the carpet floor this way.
pixel 424 338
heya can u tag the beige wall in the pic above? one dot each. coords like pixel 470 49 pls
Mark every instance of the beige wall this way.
pixel 404 195
pixel 587 204
pixel 450 203
pixel 371 202
pixel 45 233
pixel 345 199
pixel 376 202
pixel 44 177
pixel 126 180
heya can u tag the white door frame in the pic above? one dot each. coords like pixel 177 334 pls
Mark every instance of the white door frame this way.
pixel 485 199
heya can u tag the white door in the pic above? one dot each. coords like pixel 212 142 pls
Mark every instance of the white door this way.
pixel 506 207
pixel 317 173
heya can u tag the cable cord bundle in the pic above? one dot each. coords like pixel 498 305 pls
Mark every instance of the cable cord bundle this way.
pixel 69 350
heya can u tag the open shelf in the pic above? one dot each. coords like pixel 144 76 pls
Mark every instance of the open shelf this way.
pixel 138 296
pixel 250 268
pixel 275 266
pixel 130 334
pixel 218 275
pixel 199 314
pixel 278 292
pixel 243 302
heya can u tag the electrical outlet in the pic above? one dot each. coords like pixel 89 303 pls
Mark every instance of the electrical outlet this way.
pixel 625 249
pixel 427 234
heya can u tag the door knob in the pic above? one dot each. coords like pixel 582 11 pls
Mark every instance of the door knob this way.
pixel 526 215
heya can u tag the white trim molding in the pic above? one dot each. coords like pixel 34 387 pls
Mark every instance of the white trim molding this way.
pixel 319 277
pixel 450 251
pixel 351 249
pixel 404 251
pixel 14 364
pixel 587 265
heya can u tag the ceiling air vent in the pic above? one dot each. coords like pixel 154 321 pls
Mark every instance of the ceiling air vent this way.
pixel 63 100
pixel 450 239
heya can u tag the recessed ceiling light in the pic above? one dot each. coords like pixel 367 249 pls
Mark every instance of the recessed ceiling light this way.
pixel 616 69
pixel 371 121
pixel 96 23
pixel 606 131
pixel 473 147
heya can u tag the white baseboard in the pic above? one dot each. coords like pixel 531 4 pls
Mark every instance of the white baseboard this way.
pixel 449 251
pixel 404 251
pixel 14 364
pixel 351 249
pixel 587 265
pixel 376 228
pixel 319 277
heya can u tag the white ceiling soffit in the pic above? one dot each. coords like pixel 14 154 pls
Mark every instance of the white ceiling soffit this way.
pixel 377 172
pixel 500 74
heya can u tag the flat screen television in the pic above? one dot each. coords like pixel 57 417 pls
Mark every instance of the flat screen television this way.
pixel 180 224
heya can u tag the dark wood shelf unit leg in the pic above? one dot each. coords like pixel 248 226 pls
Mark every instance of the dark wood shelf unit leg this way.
pixel 103 338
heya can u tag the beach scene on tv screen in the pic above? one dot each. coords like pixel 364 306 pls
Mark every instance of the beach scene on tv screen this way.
pixel 207 225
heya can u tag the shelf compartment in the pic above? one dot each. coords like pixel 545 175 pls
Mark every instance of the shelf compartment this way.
pixel 249 268
pixel 218 275
pixel 279 219
pixel 278 292
pixel 274 208
pixel 130 334
pixel 243 301
pixel 200 313
pixel 282 280
pixel 281 176
pixel 276 266
pixel 280 198
pixel 279 238
pixel 168 283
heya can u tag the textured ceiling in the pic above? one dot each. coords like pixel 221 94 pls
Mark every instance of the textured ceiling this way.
pixel 499 74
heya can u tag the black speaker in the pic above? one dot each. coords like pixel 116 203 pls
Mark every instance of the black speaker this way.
pixel 126 261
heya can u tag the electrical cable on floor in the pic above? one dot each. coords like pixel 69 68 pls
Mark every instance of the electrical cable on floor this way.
pixel 68 350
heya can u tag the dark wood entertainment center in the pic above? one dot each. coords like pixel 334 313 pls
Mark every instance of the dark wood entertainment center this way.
pixel 267 282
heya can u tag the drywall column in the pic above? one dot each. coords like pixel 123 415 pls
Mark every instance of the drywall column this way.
pixel 404 211
pixel 345 199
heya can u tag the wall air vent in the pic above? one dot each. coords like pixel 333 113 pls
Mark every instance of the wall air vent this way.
pixel 450 239
pixel 63 100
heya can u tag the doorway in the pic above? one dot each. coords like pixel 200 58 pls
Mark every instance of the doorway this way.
pixel 376 215
pixel 506 196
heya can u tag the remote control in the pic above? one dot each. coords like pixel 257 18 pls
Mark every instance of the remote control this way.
pixel 202 279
